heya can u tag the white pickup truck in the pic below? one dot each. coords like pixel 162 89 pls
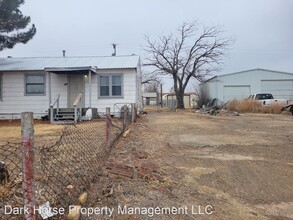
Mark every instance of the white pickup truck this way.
pixel 267 99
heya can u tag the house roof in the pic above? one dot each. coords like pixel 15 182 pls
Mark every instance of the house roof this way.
pixel 149 94
pixel 259 69
pixel 42 63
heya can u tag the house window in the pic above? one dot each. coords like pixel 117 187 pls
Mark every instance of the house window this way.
pixel 35 84
pixel 110 86
pixel 1 87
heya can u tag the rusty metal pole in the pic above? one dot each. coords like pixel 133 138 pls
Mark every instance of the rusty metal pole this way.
pixel 27 137
pixel 161 95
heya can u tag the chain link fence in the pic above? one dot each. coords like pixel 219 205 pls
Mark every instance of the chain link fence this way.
pixel 64 168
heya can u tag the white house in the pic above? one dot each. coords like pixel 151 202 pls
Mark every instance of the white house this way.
pixel 240 85
pixel 33 84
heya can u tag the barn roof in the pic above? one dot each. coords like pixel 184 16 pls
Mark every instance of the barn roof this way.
pixel 257 69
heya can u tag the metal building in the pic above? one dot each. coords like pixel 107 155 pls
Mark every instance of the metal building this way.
pixel 240 85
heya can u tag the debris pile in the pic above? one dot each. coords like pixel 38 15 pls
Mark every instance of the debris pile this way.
pixel 216 107
pixel 289 107
pixel 135 165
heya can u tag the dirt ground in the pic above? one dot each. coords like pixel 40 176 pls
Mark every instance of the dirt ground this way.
pixel 216 167
pixel 201 166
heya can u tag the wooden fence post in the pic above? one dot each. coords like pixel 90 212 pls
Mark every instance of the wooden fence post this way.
pixel 135 110
pixel 108 111
pixel 133 113
pixel 125 117
pixel 27 137
pixel 108 131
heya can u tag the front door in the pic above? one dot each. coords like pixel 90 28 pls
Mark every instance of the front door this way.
pixel 75 86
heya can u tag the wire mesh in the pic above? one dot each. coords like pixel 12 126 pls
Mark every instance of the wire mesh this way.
pixel 64 168
pixel 10 177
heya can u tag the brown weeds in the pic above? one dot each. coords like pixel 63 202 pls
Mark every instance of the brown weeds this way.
pixel 252 106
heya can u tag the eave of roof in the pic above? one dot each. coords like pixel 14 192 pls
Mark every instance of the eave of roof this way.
pixel 46 63
pixel 228 74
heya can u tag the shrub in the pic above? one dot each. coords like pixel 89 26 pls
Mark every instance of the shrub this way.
pixel 203 96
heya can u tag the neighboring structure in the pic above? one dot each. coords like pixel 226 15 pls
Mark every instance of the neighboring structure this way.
pixel 169 100
pixel 240 85
pixel 32 84
pixel 150 98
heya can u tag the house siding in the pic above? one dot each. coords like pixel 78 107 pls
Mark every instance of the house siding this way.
pixel 14 101
pixel 129 92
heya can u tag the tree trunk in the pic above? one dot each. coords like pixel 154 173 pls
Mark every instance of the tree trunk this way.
pixel 180 99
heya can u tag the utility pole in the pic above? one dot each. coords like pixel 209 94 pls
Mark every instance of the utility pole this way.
pixel 161 95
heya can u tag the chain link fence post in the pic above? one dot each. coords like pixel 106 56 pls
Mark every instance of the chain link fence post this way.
pixel 28 183
pixel 108 131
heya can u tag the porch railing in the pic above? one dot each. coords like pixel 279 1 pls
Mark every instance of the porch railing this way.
pixel 75 103
pixel 52 104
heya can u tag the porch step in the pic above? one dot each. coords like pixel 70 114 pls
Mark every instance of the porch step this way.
pixel 65 114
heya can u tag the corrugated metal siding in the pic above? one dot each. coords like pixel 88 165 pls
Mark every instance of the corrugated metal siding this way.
pixel 279 88
pixel 252 78
pixel 235 92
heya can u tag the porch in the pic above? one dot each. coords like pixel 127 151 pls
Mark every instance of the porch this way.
pixel 68 96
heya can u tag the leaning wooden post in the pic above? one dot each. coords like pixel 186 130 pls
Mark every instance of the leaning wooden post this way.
pixel 28 188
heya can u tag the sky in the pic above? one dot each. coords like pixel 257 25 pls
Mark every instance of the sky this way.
pixel 262 29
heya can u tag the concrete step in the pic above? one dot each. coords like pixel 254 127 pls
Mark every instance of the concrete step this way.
pixel 64 116
pixel 66 109
pixel 65 113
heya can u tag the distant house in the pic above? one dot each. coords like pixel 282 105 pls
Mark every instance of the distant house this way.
pixel 240 85
pixel 169 100
pixel 33 84
pixel 150 98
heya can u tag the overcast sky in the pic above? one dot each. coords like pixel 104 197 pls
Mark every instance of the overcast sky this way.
pixel 263 29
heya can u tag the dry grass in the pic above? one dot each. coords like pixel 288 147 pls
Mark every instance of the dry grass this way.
pixel 10 131
pixel 252 106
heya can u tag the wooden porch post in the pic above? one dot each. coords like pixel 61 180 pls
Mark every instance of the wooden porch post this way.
pixel 50 89
pixel 90 88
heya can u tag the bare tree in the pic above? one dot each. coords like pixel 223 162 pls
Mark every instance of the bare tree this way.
pixel 152 86
pixel 148 77
pixel 191 52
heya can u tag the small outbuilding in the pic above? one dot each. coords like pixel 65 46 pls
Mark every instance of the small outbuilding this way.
pixel 169 100
pixel 150 98
pixel 240 85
